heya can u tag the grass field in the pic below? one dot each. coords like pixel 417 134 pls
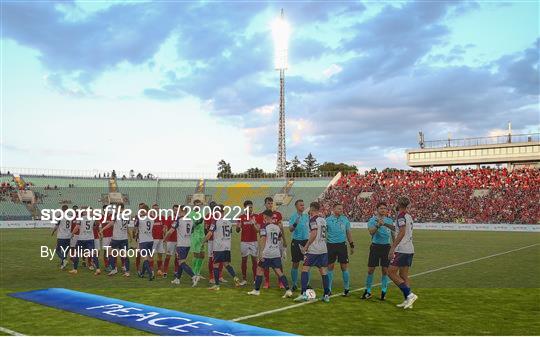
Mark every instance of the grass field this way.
pixel 496 295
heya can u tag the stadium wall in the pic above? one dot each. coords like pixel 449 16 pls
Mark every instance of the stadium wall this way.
pixel 427 226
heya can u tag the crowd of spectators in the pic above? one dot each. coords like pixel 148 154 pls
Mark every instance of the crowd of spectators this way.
pixel 475 195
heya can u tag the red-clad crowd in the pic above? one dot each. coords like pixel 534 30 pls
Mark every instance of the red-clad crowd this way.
pixel 477 196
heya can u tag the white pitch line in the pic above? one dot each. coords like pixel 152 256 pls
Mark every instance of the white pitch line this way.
pixel 264 313
pixel 10 332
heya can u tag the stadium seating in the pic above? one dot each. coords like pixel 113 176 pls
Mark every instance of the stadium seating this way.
pixel 445 196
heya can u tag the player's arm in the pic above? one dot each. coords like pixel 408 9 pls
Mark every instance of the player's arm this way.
pixel 55 228
pixel 211 230
pixel 262 243
pixel 292 225
pixel 373 226
pixel 238 225
pixel 312 237
pixel 76 228
pixel 397 240
pixel 389 225
pixel 109 225
pixel 350 240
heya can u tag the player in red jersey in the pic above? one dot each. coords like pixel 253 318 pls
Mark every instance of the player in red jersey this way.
pixel 97 244
pixel 170 242
pixel 276 219
pixel 249 245
pixel 107 237
pixel 157 234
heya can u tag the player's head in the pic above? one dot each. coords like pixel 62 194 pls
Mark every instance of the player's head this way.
pixel 197 202
pixel 64 207
pixel 269 203
pixel 382 208
pixel 338 209
pixel 402 203
pixel 267 216
pixel 314 208
pixel 248 205
pixel 183 210
pixel 300 206
pixel 175 208
pixel 75 207
pixel 156 207
pixel 141 205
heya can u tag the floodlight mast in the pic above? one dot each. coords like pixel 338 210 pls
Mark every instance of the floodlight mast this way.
pixel 280 31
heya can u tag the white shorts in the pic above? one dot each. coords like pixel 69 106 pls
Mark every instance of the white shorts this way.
pixel 96 244
pixel 249 248
pixel 158 246
pixel 106 242
pixel 170 248
pixel 210 248
pixel 73 241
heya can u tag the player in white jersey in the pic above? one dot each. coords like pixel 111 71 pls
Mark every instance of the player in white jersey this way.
pixel 63 238
pixel 401 254
pixel 270 247
pixel 221 230
pixel 85 243
pixel 119 242
pixel 143 230
pixel 315 252
pixel 183 227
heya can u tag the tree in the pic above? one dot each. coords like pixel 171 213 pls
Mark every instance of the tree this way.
pixel 335 168
pixel 310 164
pixel 254 172
pixel 295 166
pixel 224 169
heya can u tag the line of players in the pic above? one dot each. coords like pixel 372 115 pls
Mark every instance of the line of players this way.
pixel 316 242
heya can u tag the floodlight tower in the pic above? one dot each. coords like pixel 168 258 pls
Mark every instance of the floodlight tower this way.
pixel 281 32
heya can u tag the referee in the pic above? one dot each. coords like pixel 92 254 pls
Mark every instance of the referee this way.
pixel 380 226
pixel 298 225
pixel 339 231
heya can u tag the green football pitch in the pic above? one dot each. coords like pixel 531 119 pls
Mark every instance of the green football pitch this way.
pixel 468 283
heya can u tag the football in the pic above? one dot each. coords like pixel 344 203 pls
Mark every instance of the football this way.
pixel 310 293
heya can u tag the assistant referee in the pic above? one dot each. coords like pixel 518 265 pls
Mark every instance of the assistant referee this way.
pixel 380 227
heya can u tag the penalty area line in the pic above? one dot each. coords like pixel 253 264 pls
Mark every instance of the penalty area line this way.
pixel 10 332
pixel 264 313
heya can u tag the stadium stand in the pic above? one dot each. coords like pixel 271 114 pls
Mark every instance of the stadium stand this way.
pixel 445 196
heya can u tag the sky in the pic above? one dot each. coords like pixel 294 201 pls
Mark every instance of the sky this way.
pixel 177 86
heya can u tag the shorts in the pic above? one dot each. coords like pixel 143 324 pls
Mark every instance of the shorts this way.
pixel 197 244
pixel 267 263
pixel 210 248
pixel 222 256
pixel 337 251
pixel 170 247
pixel 249 248
pixel 147 247
pixel 119 244
pixel 106 242
pixel 182 252
pixel 316 260
pixel 86 245
pixel 73 241
pixel 158 247
pixel 378 255
pixel 401 260
pixel 296 253
pixel 61 247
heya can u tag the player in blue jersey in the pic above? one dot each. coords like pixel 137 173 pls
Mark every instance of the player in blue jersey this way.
pixel 380 227
pixel 339 232
pixel 143 230
pixel 298 225
pixel 401 254
pixel 315 251
pixel 270 254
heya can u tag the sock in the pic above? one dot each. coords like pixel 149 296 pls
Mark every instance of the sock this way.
pixel 138 262
pixel 88 261
pixel 166 264
pixel 96 262
pixel 267 276
pixel 258 282
pixel 187 269
pixel 304 281
pixel 216 275
pixel 384 283
pixel 369 282
pixel 211 268
pixel 294 276
pixel 112 262
pixel 178 274
pixel 345 279
pixel 221 270
pixel 106 261
pixel 325 284
pixel 230 270
pixel 145 267
pixel 254 267
pixel 126 263
pixel 404 289
pixel 75 262
pixel 284 281
pixel 244 267
pixel 330 274
pixel 176 264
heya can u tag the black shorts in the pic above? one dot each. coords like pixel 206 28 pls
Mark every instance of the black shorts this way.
pixel 337 251
pixel 296 254
pixel 378 255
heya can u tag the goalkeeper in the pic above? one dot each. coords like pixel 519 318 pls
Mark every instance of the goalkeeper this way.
pixel 197 237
